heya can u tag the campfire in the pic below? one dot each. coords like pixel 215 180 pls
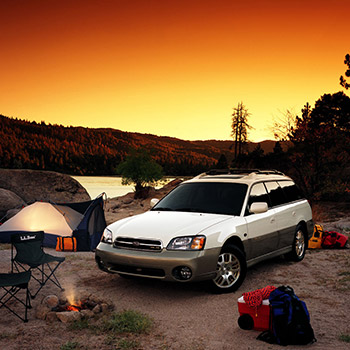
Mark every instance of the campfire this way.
pixel 75 306
pixel 70 308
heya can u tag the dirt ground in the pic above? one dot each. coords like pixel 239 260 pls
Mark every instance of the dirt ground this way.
pixel 186 316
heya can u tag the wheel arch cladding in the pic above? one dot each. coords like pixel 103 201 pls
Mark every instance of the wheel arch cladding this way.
pixel 234 240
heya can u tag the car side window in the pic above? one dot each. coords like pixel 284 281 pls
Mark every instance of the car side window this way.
pixel 276 194
pixel 258 193
pixel 291 190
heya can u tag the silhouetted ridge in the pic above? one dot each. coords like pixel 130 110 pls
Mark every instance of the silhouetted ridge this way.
pixel 87 151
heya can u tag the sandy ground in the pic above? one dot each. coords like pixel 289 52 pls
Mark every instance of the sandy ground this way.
pixel 186 316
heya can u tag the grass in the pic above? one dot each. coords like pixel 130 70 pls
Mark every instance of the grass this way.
pixel 127 344
pixel 345 338
pixel 79 325
pixel 128 321
pixel 344 273
pixel 70 346
pixel 121 330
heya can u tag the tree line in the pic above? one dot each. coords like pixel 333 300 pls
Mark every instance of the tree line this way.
pixel 86 151
pixel 319 155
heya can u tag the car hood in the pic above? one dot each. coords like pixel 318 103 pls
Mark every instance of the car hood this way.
pixel 165 225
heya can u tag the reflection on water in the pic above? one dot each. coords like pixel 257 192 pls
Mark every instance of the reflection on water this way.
pixel 111 185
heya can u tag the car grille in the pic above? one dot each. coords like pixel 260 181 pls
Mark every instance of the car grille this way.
pixel 138 244
pixel 138 271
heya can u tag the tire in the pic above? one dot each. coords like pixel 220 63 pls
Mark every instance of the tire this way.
pixel 300 243
pixel 231 270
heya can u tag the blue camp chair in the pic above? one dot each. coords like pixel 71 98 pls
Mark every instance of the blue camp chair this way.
pixel 30 256
pixel 11 284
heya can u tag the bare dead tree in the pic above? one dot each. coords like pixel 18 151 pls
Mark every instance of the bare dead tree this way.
pixel 240 127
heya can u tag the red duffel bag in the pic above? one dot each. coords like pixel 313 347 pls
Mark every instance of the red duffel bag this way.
pixel 333 239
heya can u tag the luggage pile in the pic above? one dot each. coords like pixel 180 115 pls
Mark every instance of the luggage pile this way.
pixel 282 316
pixel 327 239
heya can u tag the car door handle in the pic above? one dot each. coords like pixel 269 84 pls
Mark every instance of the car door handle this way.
pixel 293 213
pixel 272 220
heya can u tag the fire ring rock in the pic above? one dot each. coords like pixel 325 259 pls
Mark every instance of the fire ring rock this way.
pixel 69 316
pixel 51 301
pixel 42 311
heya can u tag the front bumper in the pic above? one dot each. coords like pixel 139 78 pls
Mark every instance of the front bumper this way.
pixel 161 265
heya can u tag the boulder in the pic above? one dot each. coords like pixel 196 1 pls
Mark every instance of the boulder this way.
pixel 51 317
pixel 37 185
pixel 87 313
pixel 9 200
pixel 51 301
pixel 12 212
pixel 42 311
pixel 68 316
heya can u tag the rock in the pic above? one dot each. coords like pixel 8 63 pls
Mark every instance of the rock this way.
pixel 12 212
pixel 51 317
pixel 87 313
pixel 37 185
pixel 9 200
pixel 51 301
pixel 91 304
pixel 42 311
pixel 68 316
pixel 127 199
pixel 104 308
pixel 96 309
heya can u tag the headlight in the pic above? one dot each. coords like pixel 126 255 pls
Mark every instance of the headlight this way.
pixel 187 243
pixel 107 236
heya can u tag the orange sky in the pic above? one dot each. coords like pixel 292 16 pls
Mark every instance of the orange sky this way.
pixel 170 68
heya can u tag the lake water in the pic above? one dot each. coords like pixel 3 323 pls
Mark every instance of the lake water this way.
pixel 111 185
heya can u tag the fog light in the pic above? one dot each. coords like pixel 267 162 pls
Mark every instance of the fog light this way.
pixel 99 263
pixel 182 273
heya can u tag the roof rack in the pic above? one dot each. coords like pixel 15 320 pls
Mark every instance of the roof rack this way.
pixel 233 171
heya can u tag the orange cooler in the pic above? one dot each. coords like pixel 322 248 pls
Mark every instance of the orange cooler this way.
pixel 254 318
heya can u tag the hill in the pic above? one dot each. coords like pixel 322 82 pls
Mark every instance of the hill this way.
pixel 89 151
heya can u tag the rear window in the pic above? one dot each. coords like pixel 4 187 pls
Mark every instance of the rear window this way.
pixel 291 191
pixel 276 193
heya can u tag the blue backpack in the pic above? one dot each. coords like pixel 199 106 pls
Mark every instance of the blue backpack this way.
pixel 290 318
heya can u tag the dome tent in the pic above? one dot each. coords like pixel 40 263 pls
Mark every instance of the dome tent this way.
pixel 83 220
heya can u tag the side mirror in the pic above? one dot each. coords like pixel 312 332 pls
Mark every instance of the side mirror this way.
pixel 258 208
pixel 154 201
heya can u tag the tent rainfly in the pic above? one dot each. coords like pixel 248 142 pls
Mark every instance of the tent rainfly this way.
pixel 83 220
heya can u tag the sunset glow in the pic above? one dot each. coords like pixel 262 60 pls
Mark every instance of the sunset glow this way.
pixel 170 68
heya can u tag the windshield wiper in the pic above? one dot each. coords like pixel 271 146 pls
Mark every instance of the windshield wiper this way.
pixel 162 209
pixel 192 210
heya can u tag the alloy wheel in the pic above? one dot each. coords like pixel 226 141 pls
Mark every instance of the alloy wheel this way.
pixel 299 243
pixel 228 270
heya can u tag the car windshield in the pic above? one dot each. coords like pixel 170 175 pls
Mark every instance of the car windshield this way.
pixel 205 197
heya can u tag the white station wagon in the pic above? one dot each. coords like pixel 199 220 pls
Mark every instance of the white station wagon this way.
pixel 211 227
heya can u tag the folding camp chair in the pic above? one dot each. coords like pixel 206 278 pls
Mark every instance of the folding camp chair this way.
pixel 29 251
pixel 12 283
